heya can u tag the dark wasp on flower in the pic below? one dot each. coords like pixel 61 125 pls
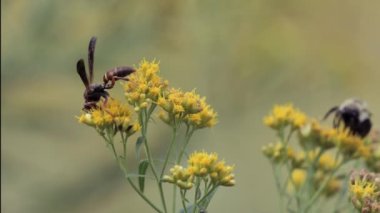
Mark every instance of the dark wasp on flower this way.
pixel 354 115
pixel 94 92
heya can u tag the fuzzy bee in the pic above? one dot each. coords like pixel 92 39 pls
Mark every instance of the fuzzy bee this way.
pixel 354 115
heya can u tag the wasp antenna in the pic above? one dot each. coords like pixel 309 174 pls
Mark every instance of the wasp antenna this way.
pixel 82 73
pixel 330 111
pixel 91 51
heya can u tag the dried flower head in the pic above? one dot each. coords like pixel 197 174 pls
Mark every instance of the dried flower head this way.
pixel 365 191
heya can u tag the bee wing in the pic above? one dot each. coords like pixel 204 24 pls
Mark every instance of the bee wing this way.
pixel 82 73
pixel 91 51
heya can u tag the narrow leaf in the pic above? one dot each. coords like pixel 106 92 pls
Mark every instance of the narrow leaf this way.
pixel 139 143
pixel 142 171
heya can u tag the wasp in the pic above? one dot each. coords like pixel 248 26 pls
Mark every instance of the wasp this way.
pixel 95 91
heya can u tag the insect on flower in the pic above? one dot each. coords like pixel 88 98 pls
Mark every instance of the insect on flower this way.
pixel 94 92
pixel 355 116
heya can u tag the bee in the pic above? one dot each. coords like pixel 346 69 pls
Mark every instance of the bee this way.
pixel 354 115
pixel 94 92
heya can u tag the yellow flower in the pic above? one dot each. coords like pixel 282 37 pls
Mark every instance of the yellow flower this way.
pixel 298 178
pixel 186 107
pixel 327 162
pixel 144 85
pixel 332 187
pixel 180 176
pixel 277 152
pixel 365 190
pixel 283 115
pixel 110 114
pixel 201 165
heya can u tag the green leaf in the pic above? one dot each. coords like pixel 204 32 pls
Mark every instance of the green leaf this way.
pixel 143 166
pixel 139 143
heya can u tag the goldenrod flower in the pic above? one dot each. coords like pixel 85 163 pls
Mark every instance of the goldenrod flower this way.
pixel 278 153
pixel 298 178
pixel 144 85
pixel 110 114
pixel 283 115
pixel 205 166
pixel 180 176
pixel 188 107
pixel 327 163
pixel 201 163
pixel 333 186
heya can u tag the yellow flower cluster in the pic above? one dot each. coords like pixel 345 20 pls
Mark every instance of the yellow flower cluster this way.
pixel 283 115
pixel 278 152
pixel 144 85
pixel 324 165
pixel 204 165
pixel 365 191
pixel 110 114
pixel 299 176
pixel 352 146
pixel 188 107
pixel 180 176
pixel 327 163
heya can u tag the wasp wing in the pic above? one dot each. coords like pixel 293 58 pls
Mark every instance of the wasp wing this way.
pixel 91 51
pixel 82 73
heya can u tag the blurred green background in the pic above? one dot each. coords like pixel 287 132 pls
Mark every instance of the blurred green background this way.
pixel 245 56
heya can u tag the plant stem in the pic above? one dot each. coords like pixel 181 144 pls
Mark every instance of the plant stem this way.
pixel 278 186
pixel 206 195
pixel 189 133
pixel 144 119
pixel 124 169
pixel 169 151
pixel 197 184
pixel 183 198
pixel 320 189
pixel 187 139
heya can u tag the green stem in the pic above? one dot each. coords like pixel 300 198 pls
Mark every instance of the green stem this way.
pixel 124 169
pixel 197 184
pixel 175 198
pixel 182 151
pixel 144 119
pixel 320 189
pixel 183 198
pixel 206 195
pixel 285 141
pixel 189 133
pixel 278 186
pixel 169 151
